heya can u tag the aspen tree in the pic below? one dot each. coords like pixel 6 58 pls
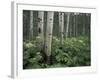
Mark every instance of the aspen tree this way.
pixel 88 23
pixel 61 26
pixel 67 26
pixel 71 25
pixel 74 25
pixel 31 26
pixel 41 27
pixel 49 30
pixel 83 23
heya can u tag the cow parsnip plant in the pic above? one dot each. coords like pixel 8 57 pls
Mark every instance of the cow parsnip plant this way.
pixel 74 52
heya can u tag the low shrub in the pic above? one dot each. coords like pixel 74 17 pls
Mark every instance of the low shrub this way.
pixel 74 52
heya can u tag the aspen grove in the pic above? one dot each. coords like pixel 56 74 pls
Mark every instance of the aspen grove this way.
pixel 54 39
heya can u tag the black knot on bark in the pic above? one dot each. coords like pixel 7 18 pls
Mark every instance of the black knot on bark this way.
pixel 50 19
pixel 50 34
pixel 39 30
pixel 60 48
pixel 39 19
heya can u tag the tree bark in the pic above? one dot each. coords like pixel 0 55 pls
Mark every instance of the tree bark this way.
pixel 31 26
pixel 49 30
pixel 83 22
pixel 61 27
pixel 74 26
pixel 71 25
pixel 67 26
pixel 88 23
pixel 41 27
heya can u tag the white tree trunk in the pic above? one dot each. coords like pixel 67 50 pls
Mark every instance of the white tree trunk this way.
pixel 31 26
pixel 49 30
pixel 74 25
pixel 67 26
pixel 61 26
pixel 41 27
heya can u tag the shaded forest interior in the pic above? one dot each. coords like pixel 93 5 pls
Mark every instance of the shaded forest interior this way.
pixel 56 39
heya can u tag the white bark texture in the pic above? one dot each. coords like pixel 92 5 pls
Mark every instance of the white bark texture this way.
pixel 61 26
pixel 41 27
pixel 49 30
pixel 31 25
pixel 67 26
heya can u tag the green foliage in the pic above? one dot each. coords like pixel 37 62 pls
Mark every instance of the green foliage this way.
pixel 31 54
pixel 73 52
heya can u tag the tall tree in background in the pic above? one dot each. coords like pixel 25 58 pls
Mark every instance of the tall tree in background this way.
pixel 49 30
pixel 71 24
pixel 88 22
pixel 31 26
pixel 61 26
pixel 67 25
pixel 83 21
pixel 76 24
pixel 41 27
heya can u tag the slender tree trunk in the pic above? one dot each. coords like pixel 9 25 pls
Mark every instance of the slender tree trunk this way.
pixel 83 22
pixel 31 26
pixel 79 24
pixel 41 27
pixel 67 26
pixel 76 30
pixel 71 25
pixel 49 30
pixel 74 26
pixel 88 23
pixel 61 26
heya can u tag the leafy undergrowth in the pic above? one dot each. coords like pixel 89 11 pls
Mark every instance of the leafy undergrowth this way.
pixel 74 52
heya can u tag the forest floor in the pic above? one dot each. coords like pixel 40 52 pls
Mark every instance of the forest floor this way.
pixel 74 52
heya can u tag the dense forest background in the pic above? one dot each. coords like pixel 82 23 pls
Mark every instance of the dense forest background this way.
pixel 56 39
